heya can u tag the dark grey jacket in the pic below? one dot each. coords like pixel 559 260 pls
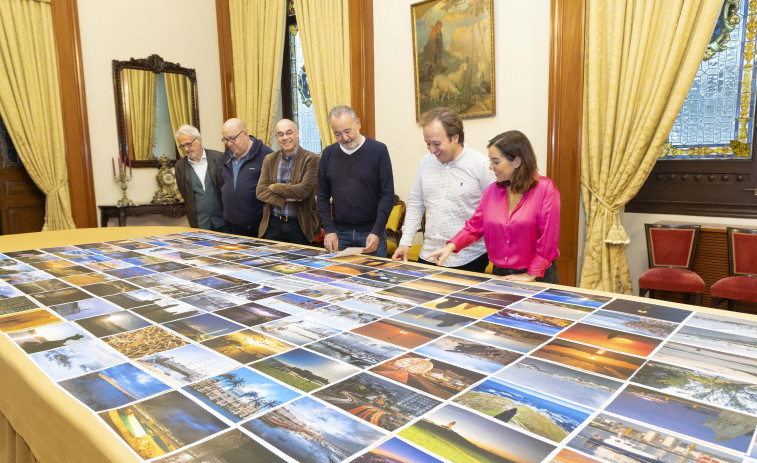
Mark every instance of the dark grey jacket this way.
pixel 184 182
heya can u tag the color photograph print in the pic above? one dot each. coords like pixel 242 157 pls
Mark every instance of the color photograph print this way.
pixel 49 337
pixel 529 321
pixel 502 336
pixel 311 432
pixel 434 319
pixel 240 394
pixel 481 357
pixel 377 401
pixel 588 358
pixel 233 446
pixel 112 323
pixel 304 370
pixel 432 376
pixel 162 424
pixel 620 341
pixel 68 361
pixel 186 364
pixel 395 450
pixel 246 346
pixel 202 327
pixel 397 333
pixel 734 366
pixel 297 330
pixel 734 326
pixel 356 350
pixel 457 434
pixel 22 321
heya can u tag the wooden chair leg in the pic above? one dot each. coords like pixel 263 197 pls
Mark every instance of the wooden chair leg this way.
pixel 698 299
pixel 642 292
pixel 730 305
pixel 686 298
pixel 715 302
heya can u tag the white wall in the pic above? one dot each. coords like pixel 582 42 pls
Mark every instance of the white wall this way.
pixel 180 31
pixel 521 35
pixel 637 250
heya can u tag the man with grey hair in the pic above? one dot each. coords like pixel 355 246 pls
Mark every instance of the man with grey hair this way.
pixel 355 187
pixel 198 177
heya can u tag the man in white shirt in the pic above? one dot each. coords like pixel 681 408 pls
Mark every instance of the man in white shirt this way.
pixel 447 187
pixel 198 177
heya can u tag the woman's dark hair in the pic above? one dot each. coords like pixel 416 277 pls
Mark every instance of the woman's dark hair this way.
pixel 514 144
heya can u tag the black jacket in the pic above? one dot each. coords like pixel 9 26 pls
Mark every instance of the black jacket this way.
pixel 240 205
pixel 184 181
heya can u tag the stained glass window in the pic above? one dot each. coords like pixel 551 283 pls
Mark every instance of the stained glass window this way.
pixel 717 118
pixel 302 105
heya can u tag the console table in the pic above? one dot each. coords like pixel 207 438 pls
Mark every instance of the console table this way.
pixel 174 210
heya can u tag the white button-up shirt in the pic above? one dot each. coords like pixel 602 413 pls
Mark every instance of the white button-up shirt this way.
pixel 200 167
pixel 449 194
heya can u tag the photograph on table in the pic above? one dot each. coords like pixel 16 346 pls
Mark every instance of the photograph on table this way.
pixel 213 300
pixel 563 382
pixel 24 277
pixel 503 336
pixel 415 270
pixel 162 424
pixel 186 364
pixel 453 304
pixel 377 401
pixel 347 269
pixel 246 346
pixel 240 394
pixel 552 308
pixel 437 320
pixel 397 333
pixel 253 275
pixel 620 341
pixel 360 284
pixel 480 357
pixel 136 298
pixel 49 337
pixel 374 304
pixel 69 361
pixel 67 271
pixel 356 350
pixel 631 323
pixel 112 323
pixel 297 330
pixel 375 262
pixel 573 297
pixel 202 327
pixel 60 296
pixel 612 438
pixel 433 286
pixel 165 267
pixel 155 279
pixel 311 432
pixel 313 262
pixel 393 450
pixel 166 311
pixel 16 304
pixel 538 413
pixel 321 276
pixel 338 317
pixel 253 292
pixel 645 309
pixel 110 265
pixel 739 367
pixel 220 281
pixel 303 369
pixel 179 290
pixel 229 447
pixel 41 286
pixel 328 293
pixel 529 321
pixel 7 291
pixel 55 263
pixel 21 321
pixel 734 326
pixel 225 267
pixel 716 340
pixel 691 418
pixel 699 385
pixel 288 283
pixel 588 358
pixel 386 276
pixel 463 279
pixel 128 272
pixel 457 434
pixel 440 379
pixel 85 279
pixel 146 341
pixel 488 295
pixel 287 268
pixel 113 387
pixel 251 314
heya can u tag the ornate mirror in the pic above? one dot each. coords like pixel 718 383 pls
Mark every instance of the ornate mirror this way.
pixel 153 99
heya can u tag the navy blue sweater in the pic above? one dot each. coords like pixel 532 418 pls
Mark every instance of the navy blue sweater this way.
pixel 360 186
pixel 240 205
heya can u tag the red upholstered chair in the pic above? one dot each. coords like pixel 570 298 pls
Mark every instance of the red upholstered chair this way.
pixel 741 285
pixel 670 249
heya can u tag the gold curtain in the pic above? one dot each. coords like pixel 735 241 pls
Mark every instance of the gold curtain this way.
pixel 30 102
pixel 325 29
pixel 641 57
pixel 257 47
pixel 179 102
pixel 140 113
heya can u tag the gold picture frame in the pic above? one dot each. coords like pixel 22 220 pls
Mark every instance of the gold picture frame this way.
pixel 453 56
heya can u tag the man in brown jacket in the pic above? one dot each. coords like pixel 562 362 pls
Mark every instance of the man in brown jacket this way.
pixel 287 188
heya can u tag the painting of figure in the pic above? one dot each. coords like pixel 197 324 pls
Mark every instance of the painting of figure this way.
pixel 453 47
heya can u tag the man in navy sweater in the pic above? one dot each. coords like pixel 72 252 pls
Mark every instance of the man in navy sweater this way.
pixel 355 187
pixel 240 172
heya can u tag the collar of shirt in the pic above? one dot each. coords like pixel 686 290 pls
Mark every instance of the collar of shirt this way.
pixel 352 151
pixel 236 161
pixel 285 159
pixel 203 159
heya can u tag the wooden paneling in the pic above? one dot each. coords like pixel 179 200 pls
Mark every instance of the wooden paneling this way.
pixel 74 106
pixel 361 64
pixel 566 58
pixel 223 21
pixel 22 204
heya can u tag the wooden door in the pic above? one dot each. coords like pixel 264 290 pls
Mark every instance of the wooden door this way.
pixel 22 204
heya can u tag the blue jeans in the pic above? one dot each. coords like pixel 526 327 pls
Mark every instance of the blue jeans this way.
pixel 356 239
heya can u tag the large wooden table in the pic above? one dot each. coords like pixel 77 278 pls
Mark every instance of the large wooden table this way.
pixel 54 426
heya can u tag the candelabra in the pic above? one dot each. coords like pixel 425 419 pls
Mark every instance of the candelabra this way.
pixel 123 177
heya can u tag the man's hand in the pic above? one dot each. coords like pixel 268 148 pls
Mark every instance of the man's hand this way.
pixel 519 277
pixel 401 253
pixel 440 255
pixel 331 242
pixel 371 244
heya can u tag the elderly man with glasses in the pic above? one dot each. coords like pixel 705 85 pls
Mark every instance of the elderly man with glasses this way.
pixel 287 187
pixel 198 177
pixel 243 162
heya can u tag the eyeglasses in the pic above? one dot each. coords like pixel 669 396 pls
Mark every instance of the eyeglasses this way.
pixel 185 146
pixel 231 140
pixel 288 133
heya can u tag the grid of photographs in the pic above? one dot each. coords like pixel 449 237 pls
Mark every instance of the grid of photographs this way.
pixel 209 347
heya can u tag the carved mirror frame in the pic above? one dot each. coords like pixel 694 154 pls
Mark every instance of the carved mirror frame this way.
pixel 157 65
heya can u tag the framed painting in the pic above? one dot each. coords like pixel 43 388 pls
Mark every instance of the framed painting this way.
pixel 453 51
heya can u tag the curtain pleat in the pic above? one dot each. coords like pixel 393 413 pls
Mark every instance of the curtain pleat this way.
pixel 139 94
pixel 641 57
pixel 30 102
pixel 257 46
pixel 178 93
pixel 324 25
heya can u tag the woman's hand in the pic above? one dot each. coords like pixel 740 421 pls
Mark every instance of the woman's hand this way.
pixel 440 255
pixel 519 277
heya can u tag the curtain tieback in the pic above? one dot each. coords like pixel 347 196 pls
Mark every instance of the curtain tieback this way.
pixel 617 234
